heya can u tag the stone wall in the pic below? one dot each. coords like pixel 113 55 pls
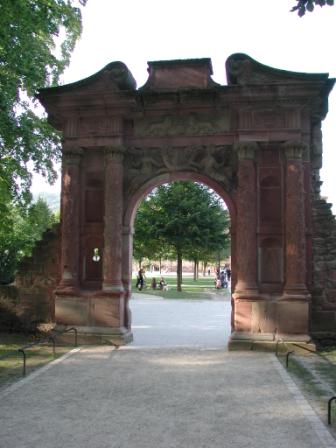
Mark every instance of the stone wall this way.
pixel 36 280
pixel 323 317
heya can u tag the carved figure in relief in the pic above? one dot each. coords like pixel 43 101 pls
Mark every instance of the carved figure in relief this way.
pixel 216 164
pixel 214 161
pixel 190 124
pixel 179 158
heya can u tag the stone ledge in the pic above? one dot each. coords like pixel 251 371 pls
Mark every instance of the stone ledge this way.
pixel 95 336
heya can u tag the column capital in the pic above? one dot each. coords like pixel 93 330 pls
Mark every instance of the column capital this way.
pixel 295 149
pixel 72 151
pixel 115 153
pixel 246 150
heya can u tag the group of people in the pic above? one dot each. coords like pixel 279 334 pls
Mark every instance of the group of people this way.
pixel 159 285
pixel 141 283
pixel 223 277
pixel 222 280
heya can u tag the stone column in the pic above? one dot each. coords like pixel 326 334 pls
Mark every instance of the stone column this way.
pixel 69 283
pixel 113 232
pixel 246 232
pixel 295 284
pixel 127 271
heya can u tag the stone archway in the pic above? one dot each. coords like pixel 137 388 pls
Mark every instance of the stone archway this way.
pixel 257 140
pixel 142 192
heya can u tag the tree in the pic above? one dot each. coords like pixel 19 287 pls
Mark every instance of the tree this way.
pixel 146 244
pixel 23 228
pixel 36 41
pixel 308 5
pixel 185 217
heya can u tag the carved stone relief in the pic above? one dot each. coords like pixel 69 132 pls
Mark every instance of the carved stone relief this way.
pixel 217 162
pixel 191 124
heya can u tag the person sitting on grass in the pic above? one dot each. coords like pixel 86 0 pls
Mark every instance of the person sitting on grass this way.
pixel 154 284
pixel 163 285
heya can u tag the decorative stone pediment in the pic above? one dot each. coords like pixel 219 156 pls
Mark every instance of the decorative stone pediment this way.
pixel 114 76
pixel 242 69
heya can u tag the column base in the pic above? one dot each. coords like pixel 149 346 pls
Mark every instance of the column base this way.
pixel 113 288
pixel 296 293
pixel 240 340
pixel 270 317
pixel 87 335
pixel 94 313
pixel 67 290
pixel 246 293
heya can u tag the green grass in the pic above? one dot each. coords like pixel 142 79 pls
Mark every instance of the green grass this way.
pixel 203 288
pixel 37 356
pixel 312 389
pixel 309 387
pixel 330 354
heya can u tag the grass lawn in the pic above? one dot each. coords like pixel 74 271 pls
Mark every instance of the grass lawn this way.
pixel 313 385
pixel 203 288
pixel 11 367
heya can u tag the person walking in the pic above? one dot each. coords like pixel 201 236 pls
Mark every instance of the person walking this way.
pixel 140 280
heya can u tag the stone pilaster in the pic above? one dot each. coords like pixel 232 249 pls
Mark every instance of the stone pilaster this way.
pixel 295 285
pixel 246 234
pixel 127 271
pixel 113 232
pixel 69 283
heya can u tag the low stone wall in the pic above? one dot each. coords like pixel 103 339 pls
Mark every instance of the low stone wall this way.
pixel 323 312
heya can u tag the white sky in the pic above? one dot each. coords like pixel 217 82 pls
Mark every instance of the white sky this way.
pixel 135 32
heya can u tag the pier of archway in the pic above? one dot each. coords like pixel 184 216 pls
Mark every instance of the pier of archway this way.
pixel 257 142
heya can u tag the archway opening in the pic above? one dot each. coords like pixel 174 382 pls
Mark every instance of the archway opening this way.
pixel 181 265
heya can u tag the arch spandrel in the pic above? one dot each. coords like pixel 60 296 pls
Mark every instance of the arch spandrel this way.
pixel 256 141
pixel 216 163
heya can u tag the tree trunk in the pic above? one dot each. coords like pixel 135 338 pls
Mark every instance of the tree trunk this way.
pixel 160 263
pixel 140 262
pixel 205 264
pixel 195 270
pixel 179 271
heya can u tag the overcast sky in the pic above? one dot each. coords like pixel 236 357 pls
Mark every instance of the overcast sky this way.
pixel 135 32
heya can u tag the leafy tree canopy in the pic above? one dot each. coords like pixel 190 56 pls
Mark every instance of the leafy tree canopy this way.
pixel 21 229
pixel 36 40
pixel 308 5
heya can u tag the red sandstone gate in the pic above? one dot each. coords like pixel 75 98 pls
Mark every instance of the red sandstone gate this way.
pixel 256 141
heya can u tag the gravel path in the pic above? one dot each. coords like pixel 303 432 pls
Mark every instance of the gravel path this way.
pixel 168 398
pixel 190 392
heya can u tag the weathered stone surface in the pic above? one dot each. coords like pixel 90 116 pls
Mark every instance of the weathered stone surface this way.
pixel 324 268
pixel 37 278
pixel 257 142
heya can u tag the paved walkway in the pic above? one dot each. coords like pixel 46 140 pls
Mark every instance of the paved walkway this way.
pixel 180 323
pixel 172 397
